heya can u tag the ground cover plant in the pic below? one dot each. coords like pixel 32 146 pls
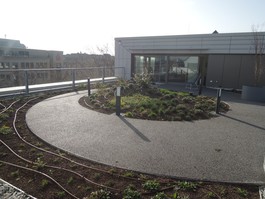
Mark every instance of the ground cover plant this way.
pixel 140 99
pixel 47 172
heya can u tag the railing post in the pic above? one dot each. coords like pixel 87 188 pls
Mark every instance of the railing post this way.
pixel 103 74
pixel 26 82
pixel 73 79
pixel 88 87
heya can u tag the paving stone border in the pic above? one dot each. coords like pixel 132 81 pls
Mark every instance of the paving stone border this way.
pixel 8 191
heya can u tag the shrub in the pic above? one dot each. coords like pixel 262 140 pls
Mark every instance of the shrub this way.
pixel 142 81
pixel 152 115
pixel 182 107
pixel 188 99
pixel 129 114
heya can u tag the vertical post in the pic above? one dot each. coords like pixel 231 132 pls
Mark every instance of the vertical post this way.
pixel 200 86
pixel 73 79
pixel 118 101
pixel 218 100
pixel 103 74
pixel 88 86
pixel 26 82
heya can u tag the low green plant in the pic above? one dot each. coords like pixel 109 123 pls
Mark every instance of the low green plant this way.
pixel 5 130
pixel 131 193
pixel 128 174
pixel 60 194
pixel 2 154
pixel 56 160
pixel 40 154
pixel 143 177
pixel 242 192
pixel 100 194
pixel 210 194
pixel 177 196
pixel 38 144
pixel 88 188
pixel 44 183
pixel 160 195
pixel 97 176
pixel 15 174
pixel 151 185
pixel 70 180
pixel 129 114
pixel 39 163
pixel 110 183
pixel 187 186
pixel 4 116
pixel 112 170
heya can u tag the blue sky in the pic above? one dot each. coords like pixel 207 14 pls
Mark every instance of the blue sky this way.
pixel 82 25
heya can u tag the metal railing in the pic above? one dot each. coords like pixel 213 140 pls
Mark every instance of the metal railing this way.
pixel 25 81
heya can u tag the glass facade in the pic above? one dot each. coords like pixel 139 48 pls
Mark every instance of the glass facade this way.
pixel 167 68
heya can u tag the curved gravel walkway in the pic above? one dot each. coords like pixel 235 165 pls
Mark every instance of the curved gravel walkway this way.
pixel 229 148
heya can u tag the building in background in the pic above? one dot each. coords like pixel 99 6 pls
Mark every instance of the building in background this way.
pixel 222 60
pixel 15 56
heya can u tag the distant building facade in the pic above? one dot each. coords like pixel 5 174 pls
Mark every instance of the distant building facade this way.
pixel 223 60
pixel 14 56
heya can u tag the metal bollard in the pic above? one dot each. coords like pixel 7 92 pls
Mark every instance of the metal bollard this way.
pixel 218 100
pixel 118 101
pixel 88 87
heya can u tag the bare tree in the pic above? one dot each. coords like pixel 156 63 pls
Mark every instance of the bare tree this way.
pixel 259 50
pixel 102 56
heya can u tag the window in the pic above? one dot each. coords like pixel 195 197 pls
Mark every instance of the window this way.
pixel 167 68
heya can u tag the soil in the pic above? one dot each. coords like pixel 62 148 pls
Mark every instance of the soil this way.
pixel 22 153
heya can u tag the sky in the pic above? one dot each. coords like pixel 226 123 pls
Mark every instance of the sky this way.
pixel 83 25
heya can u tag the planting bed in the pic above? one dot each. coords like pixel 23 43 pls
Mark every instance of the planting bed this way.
pixel 47 172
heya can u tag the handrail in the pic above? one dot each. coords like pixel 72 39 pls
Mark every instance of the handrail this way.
pixel 28 84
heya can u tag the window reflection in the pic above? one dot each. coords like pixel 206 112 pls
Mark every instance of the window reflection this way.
pixel 167 68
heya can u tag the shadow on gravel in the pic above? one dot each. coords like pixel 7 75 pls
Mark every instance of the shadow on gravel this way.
pixel 244 122
pixel 134 129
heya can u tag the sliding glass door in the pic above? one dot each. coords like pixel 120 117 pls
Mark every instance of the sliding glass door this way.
pixel 167 68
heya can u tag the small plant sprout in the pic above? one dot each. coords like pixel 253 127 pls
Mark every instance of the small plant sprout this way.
pixel 60 194
pixel 5 130
pixel 128 174
pixel 39 163
pixel 15 174
pixel 160 195
pixel 187 186
pixel 44 183
pixel 100 194
pixel 242 192
pixel 97 176
pixel 151 185
pixel 70 180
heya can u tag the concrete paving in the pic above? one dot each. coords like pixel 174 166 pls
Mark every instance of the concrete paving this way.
pixel 228 148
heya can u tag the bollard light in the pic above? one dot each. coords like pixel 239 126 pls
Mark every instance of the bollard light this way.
pixel 218 100
pixel 88 87
pixel 118 101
